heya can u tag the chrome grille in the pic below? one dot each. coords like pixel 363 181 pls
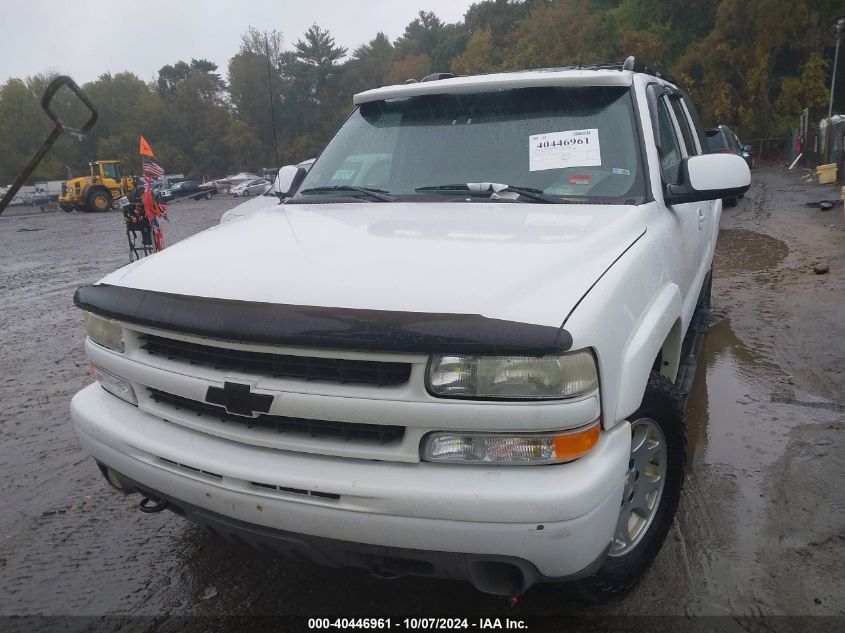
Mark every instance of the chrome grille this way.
pixel 348 431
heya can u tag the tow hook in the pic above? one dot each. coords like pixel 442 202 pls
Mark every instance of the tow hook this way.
pixel 151 506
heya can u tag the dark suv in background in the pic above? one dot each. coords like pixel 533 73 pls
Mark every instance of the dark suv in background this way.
pixel 722 140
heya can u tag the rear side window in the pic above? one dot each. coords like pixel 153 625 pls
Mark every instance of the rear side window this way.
pixel 737 146
pixel 684 124
pixel 670 149
pixel 716 140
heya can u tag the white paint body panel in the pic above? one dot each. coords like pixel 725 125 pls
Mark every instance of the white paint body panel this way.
pixel 499 81
pixel 251 205
pixel 520 262
pixel 416 506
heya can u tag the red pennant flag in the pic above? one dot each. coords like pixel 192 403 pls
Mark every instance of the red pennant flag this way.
pixel 146 150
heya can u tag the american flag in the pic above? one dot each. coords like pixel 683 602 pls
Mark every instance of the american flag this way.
pixel 151 168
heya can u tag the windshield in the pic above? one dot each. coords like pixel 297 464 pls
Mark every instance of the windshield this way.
pixel 558 141
pixel 111 170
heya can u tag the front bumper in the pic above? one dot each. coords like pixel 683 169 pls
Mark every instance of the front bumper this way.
pixel 555 520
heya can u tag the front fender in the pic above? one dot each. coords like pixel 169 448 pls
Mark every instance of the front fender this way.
pixel 659 323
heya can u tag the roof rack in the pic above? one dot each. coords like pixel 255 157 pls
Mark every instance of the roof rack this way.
pixel 630 63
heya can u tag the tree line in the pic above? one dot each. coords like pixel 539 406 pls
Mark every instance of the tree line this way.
pixel 750 64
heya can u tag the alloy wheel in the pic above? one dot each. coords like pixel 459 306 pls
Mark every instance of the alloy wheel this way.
pixel 644 484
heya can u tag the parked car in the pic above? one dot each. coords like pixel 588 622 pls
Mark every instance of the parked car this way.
pixel 193 189
pixel 269 198
pixel 747 153
pixel 722 140
pixel 250 188
pixel 467 361
pixel 160 192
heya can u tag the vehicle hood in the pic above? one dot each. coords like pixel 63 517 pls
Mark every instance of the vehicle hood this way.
pixel 250 206
pixel 522 262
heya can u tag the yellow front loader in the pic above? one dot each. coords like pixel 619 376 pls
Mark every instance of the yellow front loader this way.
pixel 98 191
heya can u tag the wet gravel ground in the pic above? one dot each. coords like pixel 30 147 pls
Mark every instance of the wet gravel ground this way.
pixel 760 531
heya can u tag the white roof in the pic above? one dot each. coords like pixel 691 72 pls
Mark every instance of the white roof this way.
pixel 501 81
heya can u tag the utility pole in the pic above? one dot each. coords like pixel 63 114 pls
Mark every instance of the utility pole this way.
pixel 837 30
pixel 273 110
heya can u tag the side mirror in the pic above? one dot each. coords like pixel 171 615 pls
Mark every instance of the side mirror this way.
pixel 710 177
pixel 288 180
pixel 747 148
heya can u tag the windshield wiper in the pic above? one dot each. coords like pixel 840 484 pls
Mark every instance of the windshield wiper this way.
pixel 372 192
pixel 499 188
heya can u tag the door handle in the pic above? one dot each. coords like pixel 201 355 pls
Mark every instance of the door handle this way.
pixel 700 218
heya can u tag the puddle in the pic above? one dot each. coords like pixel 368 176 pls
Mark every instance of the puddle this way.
pixel 741 250
pixel 736 432
pixel 724 422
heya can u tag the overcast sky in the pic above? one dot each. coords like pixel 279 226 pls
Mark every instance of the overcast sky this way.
pixel 86 38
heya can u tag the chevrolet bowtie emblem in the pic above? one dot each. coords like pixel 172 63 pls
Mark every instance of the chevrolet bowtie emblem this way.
pixel 239 399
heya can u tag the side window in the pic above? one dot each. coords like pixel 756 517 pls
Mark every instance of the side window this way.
pixel 670 149
pixel 684 124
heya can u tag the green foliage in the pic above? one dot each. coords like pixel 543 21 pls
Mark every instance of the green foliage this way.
pixel 421 36
pixel 409 67
pixel 478 55
pixel 452 40
pixel 751 64
pixel 556 34
pixel 369 65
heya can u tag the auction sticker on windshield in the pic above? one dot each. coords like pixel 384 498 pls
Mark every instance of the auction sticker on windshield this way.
pixel 555 150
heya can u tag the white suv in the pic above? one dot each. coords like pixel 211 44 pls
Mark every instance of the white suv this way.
pixel 459 348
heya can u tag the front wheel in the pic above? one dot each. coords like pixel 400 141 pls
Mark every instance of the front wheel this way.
pixel 652 489
pixel 99 201
pixel 245 194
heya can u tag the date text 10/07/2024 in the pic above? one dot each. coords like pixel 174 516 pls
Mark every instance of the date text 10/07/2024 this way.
pixel 418 623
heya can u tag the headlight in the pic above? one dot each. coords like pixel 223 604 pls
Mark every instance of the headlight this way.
pixel 105 332
pixel 114 384
pixel 510 449
pixel 513 377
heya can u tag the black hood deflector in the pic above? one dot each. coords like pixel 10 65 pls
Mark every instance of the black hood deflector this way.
pixel 322 327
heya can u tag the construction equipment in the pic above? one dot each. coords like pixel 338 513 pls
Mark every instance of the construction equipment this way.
pixel 98 191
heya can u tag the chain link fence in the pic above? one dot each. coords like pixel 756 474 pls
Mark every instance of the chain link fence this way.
pixel 772 151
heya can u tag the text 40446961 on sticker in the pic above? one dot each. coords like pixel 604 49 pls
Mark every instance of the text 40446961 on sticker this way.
pixel 556 150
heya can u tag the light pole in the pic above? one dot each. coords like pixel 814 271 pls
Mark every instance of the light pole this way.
pixel 837 29
pixel 273 110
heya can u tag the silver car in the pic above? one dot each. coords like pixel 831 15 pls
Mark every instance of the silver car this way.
pixel 250 188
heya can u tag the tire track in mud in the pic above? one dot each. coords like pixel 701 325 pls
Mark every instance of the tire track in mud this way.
pixel 68 545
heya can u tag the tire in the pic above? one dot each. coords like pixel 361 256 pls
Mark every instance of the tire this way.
pixel 661 410
pixel 99 201
pixel 208 195
pixel 67 208
pixel 245 194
